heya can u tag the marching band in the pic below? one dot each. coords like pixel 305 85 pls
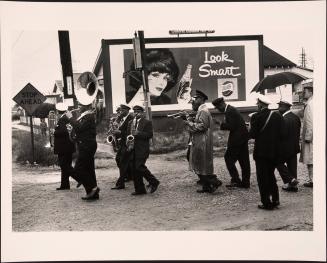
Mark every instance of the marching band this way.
pixel 129 135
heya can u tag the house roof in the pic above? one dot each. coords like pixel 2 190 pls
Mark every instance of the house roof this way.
pixel 58 85
pixel 273 59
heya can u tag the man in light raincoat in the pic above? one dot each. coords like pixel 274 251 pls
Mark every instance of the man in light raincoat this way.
pixel 201 150
pixel 307 135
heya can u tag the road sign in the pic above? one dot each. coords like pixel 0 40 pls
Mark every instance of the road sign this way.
pixel 29 98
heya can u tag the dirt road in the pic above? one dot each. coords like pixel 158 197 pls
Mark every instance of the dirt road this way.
pixel 37 206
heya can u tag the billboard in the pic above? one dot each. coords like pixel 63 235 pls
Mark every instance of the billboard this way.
pixel 226 67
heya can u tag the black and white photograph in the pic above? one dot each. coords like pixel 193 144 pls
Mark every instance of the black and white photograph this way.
pixel 163 131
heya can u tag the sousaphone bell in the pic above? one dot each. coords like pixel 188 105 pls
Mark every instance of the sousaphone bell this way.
pixel 87 88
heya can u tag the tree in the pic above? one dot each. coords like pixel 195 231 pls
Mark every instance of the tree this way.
pixel 43 110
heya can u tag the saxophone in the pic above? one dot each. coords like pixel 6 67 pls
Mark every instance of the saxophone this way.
pixel 113 126
pixel 130 139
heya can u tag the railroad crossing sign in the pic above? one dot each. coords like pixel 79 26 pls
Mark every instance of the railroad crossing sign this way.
pixel 29 98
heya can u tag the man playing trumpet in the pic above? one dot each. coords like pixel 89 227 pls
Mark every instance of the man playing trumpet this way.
pixel 201 149
pixel 64 147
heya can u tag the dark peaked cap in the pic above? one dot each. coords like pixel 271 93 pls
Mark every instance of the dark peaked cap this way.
pixel 200 94
pixel 138 107
pixel 217 101
pixel 124 106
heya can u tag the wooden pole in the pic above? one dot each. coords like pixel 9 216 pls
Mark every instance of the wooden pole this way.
pixel 66 65
pixel 147 102
pixel 32 138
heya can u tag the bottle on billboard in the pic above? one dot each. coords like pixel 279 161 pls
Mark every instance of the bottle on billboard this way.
pixel 184 86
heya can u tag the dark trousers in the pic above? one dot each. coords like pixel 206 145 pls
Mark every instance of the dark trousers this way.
pixel 238 153
pixel 289 171
pixel 140 171
pixel 266 181
pixel 84 168
pixel 65 163
pixel 124 163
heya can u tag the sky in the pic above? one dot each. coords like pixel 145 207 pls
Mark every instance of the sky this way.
pixel 36 58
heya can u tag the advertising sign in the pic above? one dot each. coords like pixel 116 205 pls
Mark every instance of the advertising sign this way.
pixel 226 67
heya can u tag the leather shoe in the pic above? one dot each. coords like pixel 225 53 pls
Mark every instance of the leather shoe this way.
pixel 233 185
pixel 117 187
pixel 78 184
pixel 63 188
pixel 269 207
pixel 93 195
pixel 138 193
pixel 289 188
pixel 294 182
pixel 200 182
pixel 154 187
pixel 308 184
pixel 275 204
pixel 202 191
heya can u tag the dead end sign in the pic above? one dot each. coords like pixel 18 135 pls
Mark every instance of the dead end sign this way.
pixel 29 98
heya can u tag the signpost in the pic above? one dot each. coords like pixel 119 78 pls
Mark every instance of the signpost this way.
pixel 140 61
pixel 29 98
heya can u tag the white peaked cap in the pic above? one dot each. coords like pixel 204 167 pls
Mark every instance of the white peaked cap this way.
pixel 264 99
pixel 61 106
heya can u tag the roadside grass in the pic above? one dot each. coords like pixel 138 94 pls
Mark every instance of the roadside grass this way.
pixel 22 149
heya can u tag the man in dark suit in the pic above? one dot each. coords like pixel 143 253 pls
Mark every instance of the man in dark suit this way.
pixel 290 146
pixel 85 130
pixel 141 129
pixel 266 130
pixel 123 156
pixel 63 147
pixel 237 145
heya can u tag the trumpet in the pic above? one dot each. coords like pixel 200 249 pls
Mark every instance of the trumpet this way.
pixel 182 114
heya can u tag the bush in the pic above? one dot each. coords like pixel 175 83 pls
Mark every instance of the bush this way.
pixel 43 110
pixel 22 149
pixel 15 117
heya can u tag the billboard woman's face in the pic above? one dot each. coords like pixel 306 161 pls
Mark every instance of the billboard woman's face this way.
pixel 157 82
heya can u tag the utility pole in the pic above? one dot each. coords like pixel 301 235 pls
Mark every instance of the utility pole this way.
pixel 67 69
pixel 303 59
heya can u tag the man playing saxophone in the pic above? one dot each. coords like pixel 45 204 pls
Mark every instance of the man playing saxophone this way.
pixel 141 131
pixel 123 156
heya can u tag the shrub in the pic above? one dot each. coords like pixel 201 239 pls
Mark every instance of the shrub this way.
pixel 15 117
pixel 43 110
pixel 22 149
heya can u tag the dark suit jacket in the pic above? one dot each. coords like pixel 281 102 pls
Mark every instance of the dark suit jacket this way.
pixel 124 130
pixel 236 125
pixel 291 129
pixel 62 143
pixel 85 129
pixel 142 139
pixel 267 142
